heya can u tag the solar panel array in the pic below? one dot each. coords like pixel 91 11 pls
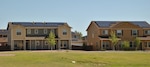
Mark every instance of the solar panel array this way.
pixel 39 24
pixel 106 24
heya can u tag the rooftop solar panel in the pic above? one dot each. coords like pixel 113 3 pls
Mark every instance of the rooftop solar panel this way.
pixel 142 24
pixel 38 24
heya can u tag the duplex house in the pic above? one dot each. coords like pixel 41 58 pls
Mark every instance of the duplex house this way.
pixel 98 34
pixel 32 35
pixel 3 37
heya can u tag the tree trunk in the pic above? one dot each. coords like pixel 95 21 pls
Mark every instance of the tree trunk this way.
pixel 51 47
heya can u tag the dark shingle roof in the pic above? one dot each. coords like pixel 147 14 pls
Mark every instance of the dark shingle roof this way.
pixel 39 24
pixel 106 24
pixel 3 32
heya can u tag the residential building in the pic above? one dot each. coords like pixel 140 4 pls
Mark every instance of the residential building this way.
pixel 3 37
pixel 98 34
pixel 77 42
pixel 32 35
pixel 4 40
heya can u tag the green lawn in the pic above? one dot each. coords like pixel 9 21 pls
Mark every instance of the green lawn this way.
pixel 82 58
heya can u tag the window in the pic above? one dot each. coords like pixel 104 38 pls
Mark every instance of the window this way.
pixel 119 32
pixel 64 32
pixel 147 32
pixel 18 32
pixel 148 44
pixel 134 32
pixel 106 44
pixel 37 43
pixel 105 32
pixel 75 36
pixel 28 31
pixel 131 44
pixel 4 35
pixel 65 43
pixel 0 36
pixel 46 43
pixel 45 31
pixel 36 31
pixel 52 30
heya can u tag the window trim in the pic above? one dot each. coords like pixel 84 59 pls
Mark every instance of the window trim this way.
pixel 28 31
pixel 148 32
pixel 105 32
pixel 45 31
pixel 133 31
pixel 36 31
pixel 120 32
pixel 64 32
pixel 18 32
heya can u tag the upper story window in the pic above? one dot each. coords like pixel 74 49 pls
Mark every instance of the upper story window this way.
pixel 18 32
pixel 36 31
pixel 45 31
pixel 134 32
pixel 1 36
pixel 119 32
pixel 28 31
pixel 64 32
pixel 105 32
pixel 147 32
pixel 4 35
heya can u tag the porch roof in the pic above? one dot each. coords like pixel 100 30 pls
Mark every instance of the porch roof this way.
pixel 107 38
pixel 144 38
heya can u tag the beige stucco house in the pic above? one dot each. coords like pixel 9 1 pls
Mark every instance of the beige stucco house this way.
pixel 32 35
pixel 98 34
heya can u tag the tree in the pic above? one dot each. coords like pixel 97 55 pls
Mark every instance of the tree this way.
pixel 51 40
pixel 79 34
pixel 126 45
pixel 137 43
pixel 113 39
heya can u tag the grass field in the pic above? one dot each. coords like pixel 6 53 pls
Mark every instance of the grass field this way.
pixel 81 58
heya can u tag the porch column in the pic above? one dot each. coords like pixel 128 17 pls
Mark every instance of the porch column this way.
pixel 30 44
pixel 35 44
pixel 147 45
pixel 101 44
pixel 24 44
pixel 58 44
pixel 42 43
pixel 70 46
pixel 12 45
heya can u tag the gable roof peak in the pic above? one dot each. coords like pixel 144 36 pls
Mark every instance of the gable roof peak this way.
pixel 107 24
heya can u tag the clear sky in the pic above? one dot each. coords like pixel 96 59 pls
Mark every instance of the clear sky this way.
pixel 77 13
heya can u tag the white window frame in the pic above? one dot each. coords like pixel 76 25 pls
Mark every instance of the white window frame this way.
pixel 17 31
pixel 105 32
pixel 45 31
pixel 37 43
pixel 133 31
pixel 64 32
pixel 148 32
pixel 46 43
pixel 28 31
pixel 36 31
pixel 119 32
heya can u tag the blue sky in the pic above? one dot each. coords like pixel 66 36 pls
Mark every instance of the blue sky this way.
pixel 77 13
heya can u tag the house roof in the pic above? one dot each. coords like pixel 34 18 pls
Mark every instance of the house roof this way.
pixel 3 31
pixel 39 24
pixel 142 24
